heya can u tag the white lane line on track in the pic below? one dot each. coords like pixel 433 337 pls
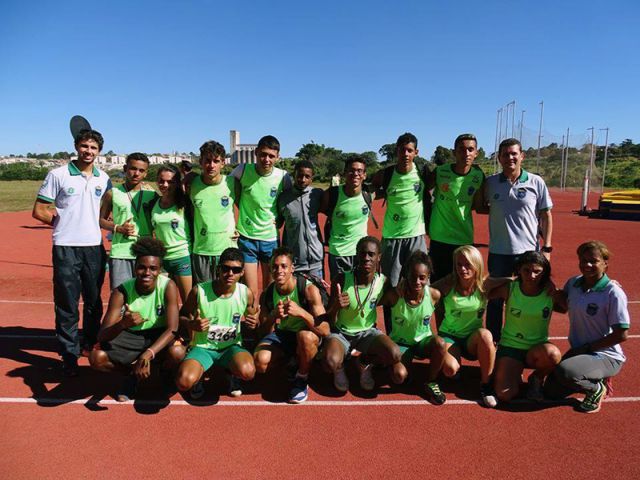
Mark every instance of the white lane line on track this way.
pixel 261 403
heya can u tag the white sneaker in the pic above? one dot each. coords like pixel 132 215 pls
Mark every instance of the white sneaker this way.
pixel 366 378
pixel 235 386
pixel 340 380
pixel 488 396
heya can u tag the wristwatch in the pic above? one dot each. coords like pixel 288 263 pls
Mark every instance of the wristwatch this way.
pixel 547 249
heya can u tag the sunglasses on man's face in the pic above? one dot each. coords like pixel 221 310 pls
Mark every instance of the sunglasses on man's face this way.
pixel 229 268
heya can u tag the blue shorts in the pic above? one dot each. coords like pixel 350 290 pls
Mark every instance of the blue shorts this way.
pixel 256 250
pixel 285 340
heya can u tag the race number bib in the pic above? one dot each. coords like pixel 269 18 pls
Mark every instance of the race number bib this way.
pixel 219 333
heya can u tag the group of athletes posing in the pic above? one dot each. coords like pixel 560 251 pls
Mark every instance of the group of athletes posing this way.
pixel 189 231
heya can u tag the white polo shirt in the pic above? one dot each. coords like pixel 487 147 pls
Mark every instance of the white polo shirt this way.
pixel 513 214
pixel 594 312
pixel 77 199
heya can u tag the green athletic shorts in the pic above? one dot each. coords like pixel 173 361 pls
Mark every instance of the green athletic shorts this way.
pixel 519 354
pixel 418 350
pixel 461 342
pixel 179 267
pixel 209 358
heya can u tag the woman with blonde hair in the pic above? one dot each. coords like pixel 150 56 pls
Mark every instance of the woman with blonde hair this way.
pixel 464 299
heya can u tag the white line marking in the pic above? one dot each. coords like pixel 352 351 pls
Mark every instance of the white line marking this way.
pixel 35 302
pixel 262 403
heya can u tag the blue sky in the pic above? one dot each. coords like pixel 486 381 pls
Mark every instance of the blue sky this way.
pixel 164 76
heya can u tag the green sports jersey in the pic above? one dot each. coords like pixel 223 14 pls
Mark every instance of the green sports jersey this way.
pixel 451 219
pixel 134 205
pixel 290 323
pixel 462 315
pixel 411 323
pixel 224 315
pixel 171 228
pixel 404 217
pixel 213 219
pixel 359 316
pixel 151 307
pixel 348 224
pixel 257 217
pixel 526 319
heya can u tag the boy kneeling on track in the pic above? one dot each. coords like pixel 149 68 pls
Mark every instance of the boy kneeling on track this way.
pixel 140 322
pixel 294 304
pixel 213 312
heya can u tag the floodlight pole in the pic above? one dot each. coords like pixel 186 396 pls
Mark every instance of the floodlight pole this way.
pixel 539 137
pixel 606 152
pixel 521 124
pixel 495 151
pixel 513 119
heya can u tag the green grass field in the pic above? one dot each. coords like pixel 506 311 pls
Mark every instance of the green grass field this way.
pixel 18 195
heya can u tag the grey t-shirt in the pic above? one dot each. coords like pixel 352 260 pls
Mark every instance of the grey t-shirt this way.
pixel 299 212
pixel 514 209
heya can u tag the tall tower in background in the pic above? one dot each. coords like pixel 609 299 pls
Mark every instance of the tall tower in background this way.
pixel 241 153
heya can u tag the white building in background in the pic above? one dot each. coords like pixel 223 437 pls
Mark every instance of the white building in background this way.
pixel 241 153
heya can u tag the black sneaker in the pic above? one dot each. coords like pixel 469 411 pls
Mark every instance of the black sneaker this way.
pixel 70 368
pixel 127 390
pixel 434 394
pixel 593 401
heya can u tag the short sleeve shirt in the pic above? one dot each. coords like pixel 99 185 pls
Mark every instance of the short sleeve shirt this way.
pixel 514 209
pixel 77 199
pixel 594 312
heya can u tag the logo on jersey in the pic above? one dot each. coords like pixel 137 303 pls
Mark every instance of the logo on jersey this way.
pixel 592 309
pixel 521 193
pixel 471 191
pixel 70 191
pixel 365 210
pixel 456 313
pixel 546 312
pixel 198 203
pixel 45 183
pixel 516 312
pixel 445 187
pixel 372 304
pixel 399 320
pixel 519 335
pixel 98 191
pixel 174 223
pixel 391 191
pixel 396 217
pixel 425 320
pixel 159 310
pixel 417 187
pixel 224 201
pixel 203 231
pixel 273 192
pixel 236 318
pixel 480 313
pixel 340 214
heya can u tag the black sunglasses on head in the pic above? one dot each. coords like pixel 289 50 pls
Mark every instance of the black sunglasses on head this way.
pixel 229 268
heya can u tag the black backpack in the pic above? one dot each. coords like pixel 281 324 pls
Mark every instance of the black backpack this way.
pixel 301 286
pixel 333 200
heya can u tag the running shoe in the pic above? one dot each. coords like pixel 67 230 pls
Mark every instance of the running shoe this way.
pixel 534 388
pixel 127 390
pixel 300 391
pixel 593 401
pixel 488 396
pixel 366 378
pixel 235 386
pixel 197 391
pixel 434 394
pixel 340 380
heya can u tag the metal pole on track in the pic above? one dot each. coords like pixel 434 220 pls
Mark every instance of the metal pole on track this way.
pixel 606 153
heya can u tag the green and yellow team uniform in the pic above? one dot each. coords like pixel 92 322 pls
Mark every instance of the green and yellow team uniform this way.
pixel 526 321
pixel 462 315
pixel 290 323
pixel 404 217
pixel 258 209
pixel 213 217
pixel 172 229
pixel 357 318
pixel 151 307
pixel 411 325
pixel 134 205
pixel 451 219
pixel 348 224
pixel 224 338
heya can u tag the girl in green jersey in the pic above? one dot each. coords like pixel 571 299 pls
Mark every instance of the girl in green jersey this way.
pixel 464 297
pixel 412 304
pixel 530 299
pixel 171 227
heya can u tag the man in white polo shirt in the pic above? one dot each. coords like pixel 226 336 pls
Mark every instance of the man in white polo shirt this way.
pixel 76 189
pixel 519 211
